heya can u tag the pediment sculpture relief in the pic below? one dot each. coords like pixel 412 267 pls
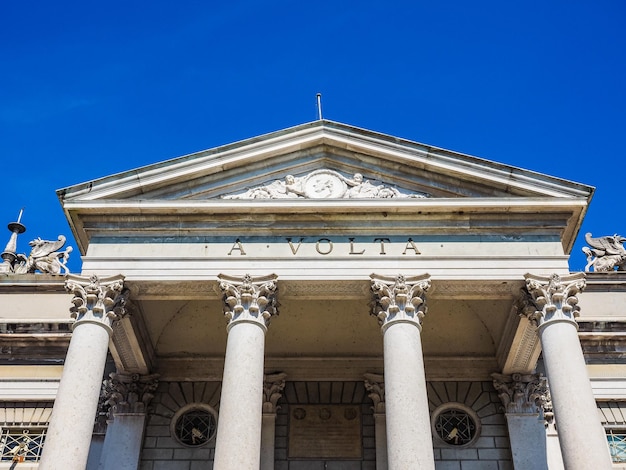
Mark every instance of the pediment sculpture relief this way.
pixel 324 184
pixel 606 253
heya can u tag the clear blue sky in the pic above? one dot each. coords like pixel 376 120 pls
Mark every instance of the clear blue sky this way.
pixel 88 89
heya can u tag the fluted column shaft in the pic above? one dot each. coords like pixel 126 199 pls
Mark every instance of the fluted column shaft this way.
pixel 97 304
pixel 553 306
pixel 400 306
pixel 249 304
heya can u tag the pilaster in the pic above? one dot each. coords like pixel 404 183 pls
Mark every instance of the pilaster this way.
pixel 273 385
pixel 375 386
pixel 128 397
pixel 523 396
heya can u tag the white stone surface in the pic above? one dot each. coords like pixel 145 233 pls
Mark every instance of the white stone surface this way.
pixel 409 439
pixel 72 421
pixel 238 444
pixel 582 438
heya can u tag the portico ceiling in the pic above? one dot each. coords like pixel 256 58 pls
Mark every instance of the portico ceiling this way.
pixel 463 333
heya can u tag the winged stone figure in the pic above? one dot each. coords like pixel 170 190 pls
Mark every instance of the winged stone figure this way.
pixel 44 257
pixel 606 253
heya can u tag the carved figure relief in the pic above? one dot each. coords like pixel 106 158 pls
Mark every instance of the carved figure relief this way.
pixel 324 184
pixel 606 253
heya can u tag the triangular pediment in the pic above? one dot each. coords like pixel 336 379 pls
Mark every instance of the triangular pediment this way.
pixel 410 167
pixel 325 167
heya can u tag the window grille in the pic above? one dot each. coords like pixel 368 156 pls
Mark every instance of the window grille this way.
pixel 617 444
pixel 21 445
pixel 195 426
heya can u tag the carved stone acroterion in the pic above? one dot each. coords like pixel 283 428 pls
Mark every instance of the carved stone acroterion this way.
pixel 129 393
pixel 521 393
pixel 606 253
pixel 552 298
pixel 97 300
pixel 399 299
pixel 248 299
pixel 273 385
pixel 324 184
pixel 45 256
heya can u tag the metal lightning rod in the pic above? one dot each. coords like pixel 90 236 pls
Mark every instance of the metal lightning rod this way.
pixel 319 106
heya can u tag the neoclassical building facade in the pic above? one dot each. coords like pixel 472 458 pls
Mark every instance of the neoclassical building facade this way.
pixel 321 297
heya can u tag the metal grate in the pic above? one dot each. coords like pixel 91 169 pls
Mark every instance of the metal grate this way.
pixel 617 445
pixel 21 445
pixel 455 427
pixel 195 427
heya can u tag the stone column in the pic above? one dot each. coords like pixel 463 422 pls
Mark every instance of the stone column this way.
pixel 399 304
pixel 552 305
pixel 375 386
pixel 128 396
pixel 248 305
pixel 522 396
pixel 273 386
pixel 97 304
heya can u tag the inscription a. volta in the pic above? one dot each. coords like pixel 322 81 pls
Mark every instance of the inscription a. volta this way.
pixel 325 246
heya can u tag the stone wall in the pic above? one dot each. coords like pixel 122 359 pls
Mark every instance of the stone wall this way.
pixel 325 393
pixel 160 450
pixel 491 450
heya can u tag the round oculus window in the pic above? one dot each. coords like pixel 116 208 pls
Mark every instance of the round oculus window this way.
pixel 194 425
pixel 456 424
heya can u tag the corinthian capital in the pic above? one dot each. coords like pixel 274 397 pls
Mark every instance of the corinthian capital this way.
pixel 97 300
pixel 129 393
pixel 375 386
pixel 521 393
pixel 399 299
pixel 273 385
pixel 248 299
pixel 552 298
